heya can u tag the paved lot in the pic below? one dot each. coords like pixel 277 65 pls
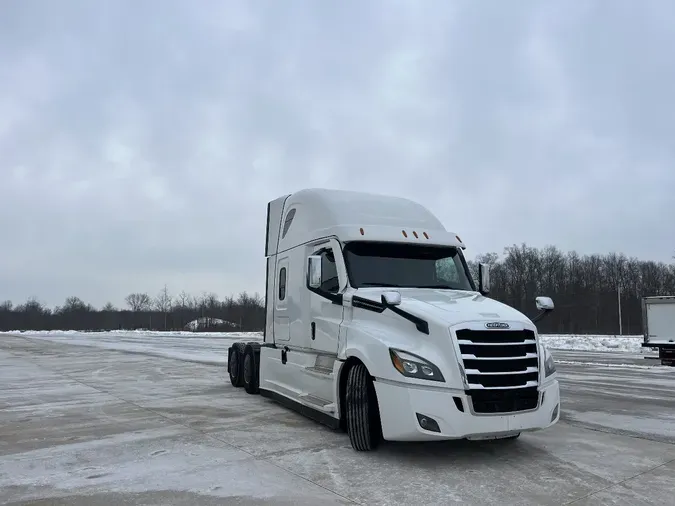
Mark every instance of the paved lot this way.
pixel 85 426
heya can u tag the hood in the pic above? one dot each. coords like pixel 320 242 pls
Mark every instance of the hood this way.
pixel 449 306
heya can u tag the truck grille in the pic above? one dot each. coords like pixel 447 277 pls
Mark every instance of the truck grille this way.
pixel 502 369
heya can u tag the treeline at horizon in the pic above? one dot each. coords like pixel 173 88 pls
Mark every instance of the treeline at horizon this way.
pixel 586 289
pixel 200 313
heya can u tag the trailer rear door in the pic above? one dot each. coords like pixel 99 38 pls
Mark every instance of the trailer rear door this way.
pixel 660 320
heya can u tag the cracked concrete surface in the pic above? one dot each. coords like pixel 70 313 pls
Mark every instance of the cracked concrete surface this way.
pixel 88 426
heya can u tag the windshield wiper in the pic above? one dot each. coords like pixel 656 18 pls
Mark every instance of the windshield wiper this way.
pixel 439 286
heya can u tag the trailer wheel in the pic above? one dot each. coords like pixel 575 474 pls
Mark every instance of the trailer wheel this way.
pixel 363 415
pixel 251 371
pixel 234 365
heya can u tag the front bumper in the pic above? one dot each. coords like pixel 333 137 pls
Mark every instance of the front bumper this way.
pixel 401 403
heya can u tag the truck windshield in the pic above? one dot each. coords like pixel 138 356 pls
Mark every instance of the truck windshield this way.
pixel 405 266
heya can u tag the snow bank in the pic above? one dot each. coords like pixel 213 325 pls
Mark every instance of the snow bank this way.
pixel 207 321
pixel 608 365
pixel 629 344
pixel 211 347
pixel 202 347
pixel 140 333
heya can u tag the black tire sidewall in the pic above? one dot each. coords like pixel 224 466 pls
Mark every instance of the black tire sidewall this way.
pixel 235 372
pixel 361 401
pixel 248 380
pixel 251 381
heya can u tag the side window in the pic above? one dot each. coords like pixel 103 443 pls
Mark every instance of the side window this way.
pixel 329 275
pixel 446 271
pixel 282 283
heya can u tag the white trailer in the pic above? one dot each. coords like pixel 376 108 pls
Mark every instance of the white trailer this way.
pixel 658 326
pixel 375 326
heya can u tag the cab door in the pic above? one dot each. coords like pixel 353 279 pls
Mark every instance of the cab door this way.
pixel 282 324
pixel 326 309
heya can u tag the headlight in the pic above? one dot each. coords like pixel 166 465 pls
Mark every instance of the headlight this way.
pixel 413 366
pixel 549 365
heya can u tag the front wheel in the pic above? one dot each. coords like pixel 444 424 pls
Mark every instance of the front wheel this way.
pixel 363 414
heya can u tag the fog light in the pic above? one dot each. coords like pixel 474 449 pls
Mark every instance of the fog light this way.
pixel 428 423
pixel 555 412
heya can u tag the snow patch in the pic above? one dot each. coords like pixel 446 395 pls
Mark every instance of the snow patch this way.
pixel 211 347
pixel 139 333
pixel 655 367
pixel 591 342
pixel 207 321
pixel 152 460
pixel 205 347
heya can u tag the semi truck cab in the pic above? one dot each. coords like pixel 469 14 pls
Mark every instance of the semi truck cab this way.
pixel 374 325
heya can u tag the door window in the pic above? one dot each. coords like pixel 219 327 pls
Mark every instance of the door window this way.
pixel 329 275
pixel 282 283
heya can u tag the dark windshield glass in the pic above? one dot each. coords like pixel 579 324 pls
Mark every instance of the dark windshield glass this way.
pixel 405 266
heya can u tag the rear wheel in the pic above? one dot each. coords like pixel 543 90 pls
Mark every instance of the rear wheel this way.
pixel 250 371
pixel 234 365
pixel 363 414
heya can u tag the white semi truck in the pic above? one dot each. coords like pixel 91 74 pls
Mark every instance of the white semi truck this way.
pixel 658 326
pixel 375 326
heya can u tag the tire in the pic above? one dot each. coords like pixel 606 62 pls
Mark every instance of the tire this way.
pixel 235 366
pixel 363 414
pixel 250 371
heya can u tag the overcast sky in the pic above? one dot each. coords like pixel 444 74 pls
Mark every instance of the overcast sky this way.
pixel 141 141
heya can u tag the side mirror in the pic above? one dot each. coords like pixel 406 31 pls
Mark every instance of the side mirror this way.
pixel 484 278
pixel 314 271
pixel 391 299
pixel 545 306
pixel 544 303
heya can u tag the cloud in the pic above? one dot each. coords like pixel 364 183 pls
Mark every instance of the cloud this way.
pixel 140 142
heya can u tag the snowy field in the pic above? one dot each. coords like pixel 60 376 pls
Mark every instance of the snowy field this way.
pixel 205 347
pixel 91 419
pixel 211 347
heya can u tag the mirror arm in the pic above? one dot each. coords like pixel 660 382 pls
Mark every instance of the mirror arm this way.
pixel 541 315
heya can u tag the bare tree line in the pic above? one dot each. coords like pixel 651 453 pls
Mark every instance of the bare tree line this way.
pixel 586 290
pixel 207 312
